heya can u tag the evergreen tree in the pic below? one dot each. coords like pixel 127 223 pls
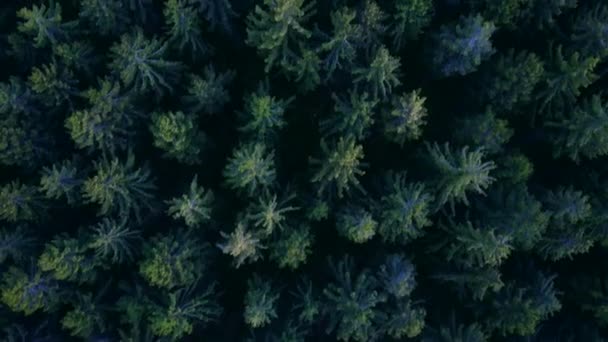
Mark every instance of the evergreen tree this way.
pixel 250 169
pixel 340 167
pixel 141 63
pixel 194 207
pixel 381 76
pixel 406 118
pixel 208 94
pixel 44 24
pixel 119 187
pixel 260 302
pixel 20 202
pixel 184 29
pixel 178 135
pixel 353 116
pixel 460 47
pixel 410 18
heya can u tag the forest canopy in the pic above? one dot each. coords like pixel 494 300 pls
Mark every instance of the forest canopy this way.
pixel 301 170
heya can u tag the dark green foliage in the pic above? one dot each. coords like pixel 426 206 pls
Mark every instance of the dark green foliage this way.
pixel 28 292
pixel 353 116
pixel 264 115
pixel 171 261
pixel 136 134
pixel 406 118
pixel 356 224
pixel 460 47
pixel 178 135
pixel 404 209
pixel 483 131
pixel 106 123
pixel 260 302
pixel 15 243
pixel 20 202
pixel 340 47
pixel 119 187
pixel 105 17
pixel 459 173
pixel 184 29
pixel 340 167
pixel 567 76
pixel 381 76
pixel 276 27
pixel 515 213
pixel 43 24
pixel 208 94
pixel 510 80
pixel 182 309
pixel 193 207
pixel 583 133
pixel 113 241
pixel 141 63
pixel 352 303
pixel 520 309
pixel 62 181
pixel 410 19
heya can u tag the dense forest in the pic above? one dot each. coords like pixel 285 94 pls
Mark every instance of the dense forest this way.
pixel 300 170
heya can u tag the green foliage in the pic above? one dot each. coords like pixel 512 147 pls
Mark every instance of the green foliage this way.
pixel 292 247
pixel 113 241
pixel 356 224
pixel 583 132
pixel 194 207
pixel 216 12
pixel 182 309
pixel 62 181
pixel 263 115
pixel 483 131
pixel 477 283
pixel 178 135
pixel 510 80
pixel 27 293
pixel 371 18
pixel 141 63
pixel 340 48
pixel 474 246
pixel 410 18
pixel 274 28
pixel 397 276
pixel 307 303
pixel 106 123
pixel 514 212
pixel 459 173
pixel 172 260
pixel 78 56
pixel 340 167
pixel 519 310
pixel 304 69
pixel 453 333
pixel 66 258
pixel 268 213
pixel 514 168
pixel 250 169
pixel 570 229
pixel 565 78
pixel 20 202
pixel 352 116
pixel 404 320
pixel 119 187
pixel 184 28
pixel 43 24
pixel 403 210
pixel 208 94
pixel 352 303
pixel 381 76
pixel 53 83
pixel 406 118
pixel 84 319
pixel 460 47
pixel 15 243
pixel 260 302
pixel 589 31
pixel 242 244
pixel 106 17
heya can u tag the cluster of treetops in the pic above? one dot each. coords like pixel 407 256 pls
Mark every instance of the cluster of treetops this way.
pixel 300 170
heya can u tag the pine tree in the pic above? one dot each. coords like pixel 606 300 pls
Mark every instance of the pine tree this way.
pixel 194 208
pixel 242 244
pixel 20 202
pixel 178 135
pixel 353 116
pixel 341 47
pixel 460 47
pixel 410 18
pixel 141 63
pixel 250 169
pixel 381 76
pixel 208 94
pixel 119 187
pixel 293 247
pixel 405 118
pixel 44 24
pixel 277 27
pixel 260 302
pixel 340 167
pixel 184 29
